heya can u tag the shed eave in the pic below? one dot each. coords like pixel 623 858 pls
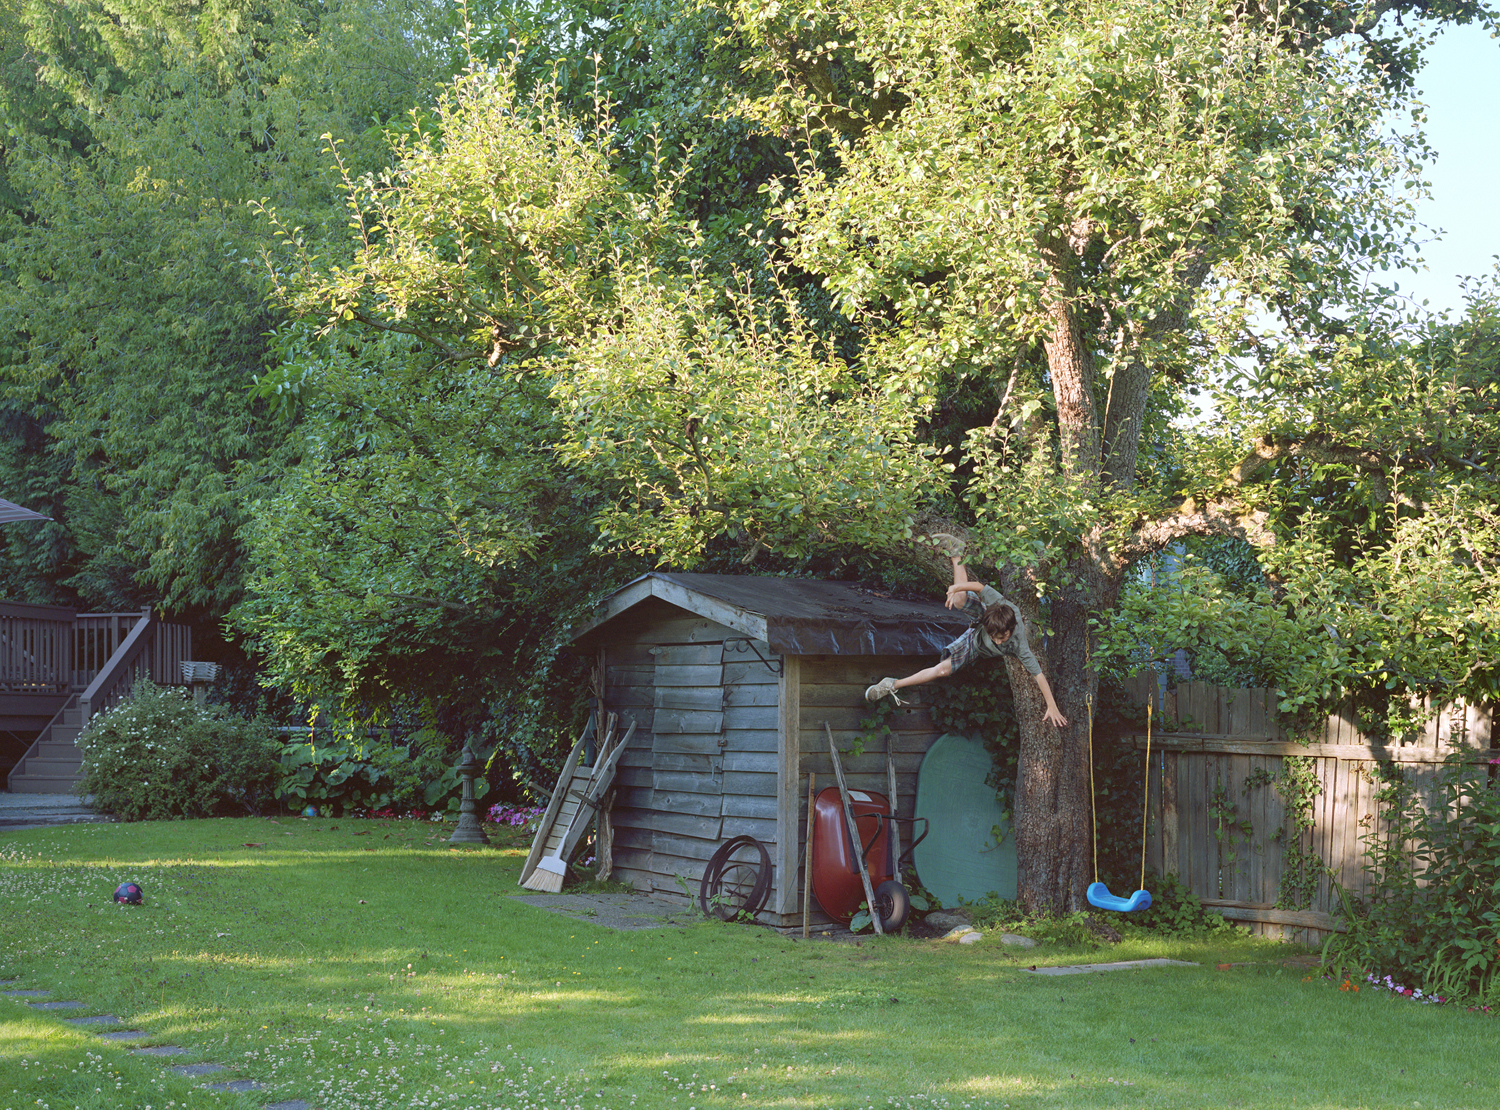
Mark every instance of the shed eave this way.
pixel 653 585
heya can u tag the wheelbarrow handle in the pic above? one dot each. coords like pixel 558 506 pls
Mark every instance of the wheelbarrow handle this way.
pixel 926 828
pixel 882 818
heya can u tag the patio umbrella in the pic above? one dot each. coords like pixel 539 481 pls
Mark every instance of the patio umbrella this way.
pixel 10 512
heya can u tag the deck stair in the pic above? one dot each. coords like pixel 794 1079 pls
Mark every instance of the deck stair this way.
pixel 63 668
pixel 53 763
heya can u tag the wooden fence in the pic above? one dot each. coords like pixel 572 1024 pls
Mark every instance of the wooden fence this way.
pixel 1221 772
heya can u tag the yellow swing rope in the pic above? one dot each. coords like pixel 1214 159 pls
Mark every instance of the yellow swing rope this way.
pixel 1145 795
pixel 1093 810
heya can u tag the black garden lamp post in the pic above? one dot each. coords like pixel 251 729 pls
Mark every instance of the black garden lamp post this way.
pixel 469 830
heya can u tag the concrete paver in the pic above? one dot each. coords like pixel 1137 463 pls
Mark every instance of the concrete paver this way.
pixel 1123 965
pixel 622 912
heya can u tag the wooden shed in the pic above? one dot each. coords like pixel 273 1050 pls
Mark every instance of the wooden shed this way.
pixel 729 680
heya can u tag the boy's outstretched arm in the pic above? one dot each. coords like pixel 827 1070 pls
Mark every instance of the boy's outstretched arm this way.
pixel 1053 715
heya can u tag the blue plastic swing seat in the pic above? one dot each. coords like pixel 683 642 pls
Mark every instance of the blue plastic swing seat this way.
pixel 1099 895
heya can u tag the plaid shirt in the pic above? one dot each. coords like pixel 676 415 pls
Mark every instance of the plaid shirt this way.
pixel 976 643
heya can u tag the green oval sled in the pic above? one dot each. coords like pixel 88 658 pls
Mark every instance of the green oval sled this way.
pixel 959 857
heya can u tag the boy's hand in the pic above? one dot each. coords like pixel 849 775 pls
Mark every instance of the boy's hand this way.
pixel 1055 718
pixel 958 596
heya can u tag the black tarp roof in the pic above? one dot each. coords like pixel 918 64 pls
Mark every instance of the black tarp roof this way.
pixel 794 616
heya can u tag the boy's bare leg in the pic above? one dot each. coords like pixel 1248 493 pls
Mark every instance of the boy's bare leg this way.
pixel 887 687
pixel 928 674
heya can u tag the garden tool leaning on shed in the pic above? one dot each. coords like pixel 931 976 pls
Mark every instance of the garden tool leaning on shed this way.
pixel 572 809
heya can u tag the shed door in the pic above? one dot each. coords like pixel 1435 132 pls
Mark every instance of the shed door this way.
pixel 687 760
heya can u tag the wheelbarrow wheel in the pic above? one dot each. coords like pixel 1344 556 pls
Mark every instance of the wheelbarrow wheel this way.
pixel 736 888
pixel 893 904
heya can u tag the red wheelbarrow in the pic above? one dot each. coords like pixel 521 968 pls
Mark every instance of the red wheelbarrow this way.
pixel 836 881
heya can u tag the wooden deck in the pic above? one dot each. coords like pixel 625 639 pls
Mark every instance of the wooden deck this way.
pixel 57 669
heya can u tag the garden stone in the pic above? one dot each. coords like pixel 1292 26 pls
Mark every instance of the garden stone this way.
pixel 123 1035
pixel 190 1070
pixel 25 994
pixel 236 1086
pixel 963 934
pixel 57 1005
pixel 947 920
pixel 97 1019
pixel 290 1104
pixel 1017 941
pixel 160 1050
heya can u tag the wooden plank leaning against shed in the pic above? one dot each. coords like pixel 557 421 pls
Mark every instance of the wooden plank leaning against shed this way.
pixel 554 806
pixel 786 854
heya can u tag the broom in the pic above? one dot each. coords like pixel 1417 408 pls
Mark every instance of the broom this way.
pixel 547 876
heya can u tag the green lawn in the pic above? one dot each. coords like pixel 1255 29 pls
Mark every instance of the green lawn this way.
pixel 367 964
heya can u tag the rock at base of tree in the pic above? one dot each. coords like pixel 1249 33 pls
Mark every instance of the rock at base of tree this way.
pixel 1017 941
pixel 944 920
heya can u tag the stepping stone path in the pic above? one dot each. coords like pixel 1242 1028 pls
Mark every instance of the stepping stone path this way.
pixel 233 1086
pixel 100 1019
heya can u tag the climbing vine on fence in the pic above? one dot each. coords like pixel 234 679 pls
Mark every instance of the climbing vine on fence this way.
pixel 1299 786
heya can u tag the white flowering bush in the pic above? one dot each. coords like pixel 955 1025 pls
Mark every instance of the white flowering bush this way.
pixel 156 755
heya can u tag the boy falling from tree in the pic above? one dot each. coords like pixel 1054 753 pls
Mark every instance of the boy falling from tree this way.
pixel 998 630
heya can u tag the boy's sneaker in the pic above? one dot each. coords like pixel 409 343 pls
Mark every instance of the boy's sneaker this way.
pixel 885 688
pixel 949 544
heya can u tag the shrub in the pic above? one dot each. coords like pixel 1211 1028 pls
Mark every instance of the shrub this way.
pixel 1431 919
pixel 157 755
pixel 1176 911
pixel 350 773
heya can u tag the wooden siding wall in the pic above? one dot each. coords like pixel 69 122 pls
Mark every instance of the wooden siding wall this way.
pixel 1215 817
pixel 702 766
pixel 833 689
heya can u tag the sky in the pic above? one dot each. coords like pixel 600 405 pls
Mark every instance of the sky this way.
pixel 1461 86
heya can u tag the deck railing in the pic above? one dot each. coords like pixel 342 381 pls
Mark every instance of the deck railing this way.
pixel 36 649
pixel 150 650
pixel 48 649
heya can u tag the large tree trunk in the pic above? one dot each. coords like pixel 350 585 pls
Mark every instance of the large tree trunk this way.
pixel 1053 823
pixel 1053 811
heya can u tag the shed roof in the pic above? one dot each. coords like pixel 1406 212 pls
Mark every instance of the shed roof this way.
pixel 794 616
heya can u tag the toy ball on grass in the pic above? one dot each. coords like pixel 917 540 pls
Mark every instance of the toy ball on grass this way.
pixel 310 811
pixel 130 894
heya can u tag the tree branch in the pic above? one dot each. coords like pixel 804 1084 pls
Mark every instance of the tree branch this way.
pixel 1224 515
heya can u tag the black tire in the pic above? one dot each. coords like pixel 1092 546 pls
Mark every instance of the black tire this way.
pixel 734 888
pixel 893 904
